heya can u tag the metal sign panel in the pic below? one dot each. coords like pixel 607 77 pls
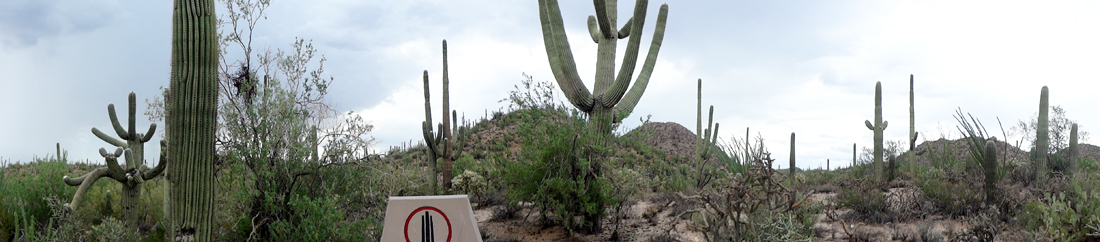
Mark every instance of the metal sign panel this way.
pixel 430 219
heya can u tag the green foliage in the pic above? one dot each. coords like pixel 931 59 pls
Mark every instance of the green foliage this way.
pixel 866 201
pixel 25 187
pixel 951 192
pixel 318 219
pixel 113 230
pixel 755 206
pixel 557 173
pixel 1066 217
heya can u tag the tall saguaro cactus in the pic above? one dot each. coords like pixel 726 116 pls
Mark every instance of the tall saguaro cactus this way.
pixel 1042 137
pixel 878 126
pixel 133 174
pixel 912 130
pixel 439 144
pixel 792 160
pixel 705 139
pixel 192 120
pixel 610 102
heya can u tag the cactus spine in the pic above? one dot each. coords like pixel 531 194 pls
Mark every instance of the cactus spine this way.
pixel 1040 157
pixel 1072 159
pixel 990 166
pixel 192 120
pixel 132 175
pixel 439 143
pixel 705 138
pixel 912 130
pixel 878 126
pixel 611 102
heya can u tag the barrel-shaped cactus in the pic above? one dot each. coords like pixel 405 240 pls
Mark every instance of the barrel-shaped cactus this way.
pixel 133 173
pixel 192 120
pixel 878 126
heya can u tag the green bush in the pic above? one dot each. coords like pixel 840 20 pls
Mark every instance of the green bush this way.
pixel 1066 217
pixel 867 202
pixel 317 220
pixel 113 230
pixel 950 192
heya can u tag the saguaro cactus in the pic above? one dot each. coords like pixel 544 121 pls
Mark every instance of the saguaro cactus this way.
pixel 1072 156
pixel 853 154
pixel 440 145
pixel 792 160
pixel 990 167
pixel 878 126
pixel 1042 138
pixel 912 130
pixel 608 103
pixel 133 174
pixel 705 138
pixel 192 120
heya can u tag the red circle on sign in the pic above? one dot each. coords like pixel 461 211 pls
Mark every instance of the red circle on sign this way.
pixel 407 220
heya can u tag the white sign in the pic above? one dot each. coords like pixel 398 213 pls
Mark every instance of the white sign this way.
pixel 430 219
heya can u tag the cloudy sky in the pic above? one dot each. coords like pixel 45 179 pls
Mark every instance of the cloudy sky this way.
pixel 807 67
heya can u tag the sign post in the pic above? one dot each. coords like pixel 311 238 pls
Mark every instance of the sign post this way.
pixel 430 219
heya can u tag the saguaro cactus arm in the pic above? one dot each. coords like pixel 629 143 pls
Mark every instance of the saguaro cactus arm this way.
pixel 631 98
pixel 163 162
pixel 113 170
pixel 560 56
pixel 610 89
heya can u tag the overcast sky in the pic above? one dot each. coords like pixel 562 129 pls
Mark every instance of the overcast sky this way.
pixel 807 67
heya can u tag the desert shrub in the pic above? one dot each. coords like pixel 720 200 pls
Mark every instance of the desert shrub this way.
pixel 113 230
pixel 950 193
pixel 1066 216
pixel 755 206
pixel 317 220
pixel 867 202
pixel 27 185
pixel 560 175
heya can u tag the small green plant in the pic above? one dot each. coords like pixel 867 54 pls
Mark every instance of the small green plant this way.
pixel 1066 217
pixel 113 230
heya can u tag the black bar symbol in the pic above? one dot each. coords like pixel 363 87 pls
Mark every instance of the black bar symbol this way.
pixel 427 228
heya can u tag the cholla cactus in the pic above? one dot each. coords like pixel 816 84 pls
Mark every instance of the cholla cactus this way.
pixel 132 175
